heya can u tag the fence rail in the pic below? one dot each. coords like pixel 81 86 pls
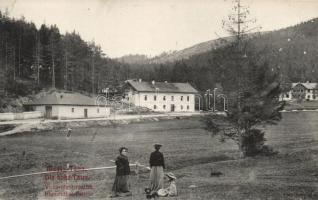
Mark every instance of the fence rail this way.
pixel 68 170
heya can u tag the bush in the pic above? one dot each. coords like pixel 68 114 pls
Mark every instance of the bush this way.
pixel 253 142
pixel 268 151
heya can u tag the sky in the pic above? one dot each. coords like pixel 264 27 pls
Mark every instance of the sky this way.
pixel 150 27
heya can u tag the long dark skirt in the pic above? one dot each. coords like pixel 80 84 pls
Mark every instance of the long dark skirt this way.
pixel 121 184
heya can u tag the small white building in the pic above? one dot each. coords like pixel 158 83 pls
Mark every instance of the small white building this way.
pixel 307 91
pixel 161 96
pixel 68 105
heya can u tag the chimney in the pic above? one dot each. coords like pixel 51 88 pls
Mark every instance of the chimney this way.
pixel 140 80
pixel 153 82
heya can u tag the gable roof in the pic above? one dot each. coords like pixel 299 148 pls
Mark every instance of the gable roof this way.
pixel 307 85
pixel 63 98
pixel 142 86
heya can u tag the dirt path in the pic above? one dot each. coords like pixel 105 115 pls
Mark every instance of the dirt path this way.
pixel 42 124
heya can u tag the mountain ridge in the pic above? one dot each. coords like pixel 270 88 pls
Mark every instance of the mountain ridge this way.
pixel 199 48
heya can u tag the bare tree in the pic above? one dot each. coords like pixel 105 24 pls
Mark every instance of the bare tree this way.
pixel 66 70
pixel 37 56
pixel 53 63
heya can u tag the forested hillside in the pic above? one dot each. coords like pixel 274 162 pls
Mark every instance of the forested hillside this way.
pixel 32 59
pixel 173 56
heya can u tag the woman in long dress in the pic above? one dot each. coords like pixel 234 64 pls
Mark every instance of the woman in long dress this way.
pixel 120 186
pixel 157 165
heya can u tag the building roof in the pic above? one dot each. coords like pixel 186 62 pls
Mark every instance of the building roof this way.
pixel 142 86
pixel 63 98
pixel 307 85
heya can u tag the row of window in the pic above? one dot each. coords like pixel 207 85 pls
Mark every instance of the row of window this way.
pixel 313 97
pixel 164 107
pixel 73 109
pixel 308 97
pixel 301 90
pixel 164 98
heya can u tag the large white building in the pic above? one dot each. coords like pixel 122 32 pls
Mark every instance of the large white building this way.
pixel 67 105
pixel 307 91
pixel 161 96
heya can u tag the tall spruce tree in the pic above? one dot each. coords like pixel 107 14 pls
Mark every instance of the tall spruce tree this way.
pixel 250 86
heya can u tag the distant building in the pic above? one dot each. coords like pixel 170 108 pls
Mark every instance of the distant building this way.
pixel 306 91
pixel 64 105
pixel 161 96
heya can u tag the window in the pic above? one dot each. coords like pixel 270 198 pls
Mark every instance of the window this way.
pixel 72 110
pixel 154 107
pixel 308 90
pixel 164 98
pixel 188 107
pixel 164 107
pixel 181 98
pixel 145 98
pixel 287 95
pixel 155 98
pixel 97 110
pixel 188 98
pixel 181 107
pixel 314 96
pixel 172 98
pixel 308 97
pixel 301 90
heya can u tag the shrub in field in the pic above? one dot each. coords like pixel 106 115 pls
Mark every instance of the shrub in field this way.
pixel 253 142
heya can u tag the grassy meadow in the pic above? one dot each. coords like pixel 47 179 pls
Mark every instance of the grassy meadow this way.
pixel 190 152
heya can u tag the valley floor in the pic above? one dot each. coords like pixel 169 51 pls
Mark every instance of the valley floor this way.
pixel 191 154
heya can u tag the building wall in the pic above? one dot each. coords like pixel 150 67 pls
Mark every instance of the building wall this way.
pixel 311 95
pixel 23 115
pixel 55 110
pixel 157 102
pixel 75 112
pixel 78 111
pixel 6 116
pixel 40 108
pixel 32 115
pixel 286 96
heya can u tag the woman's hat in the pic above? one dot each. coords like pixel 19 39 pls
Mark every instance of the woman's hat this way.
pixel 157 145
pixel 171 175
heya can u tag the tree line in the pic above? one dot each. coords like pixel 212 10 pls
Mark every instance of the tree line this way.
pixel 32 59
pixel 66 61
